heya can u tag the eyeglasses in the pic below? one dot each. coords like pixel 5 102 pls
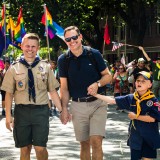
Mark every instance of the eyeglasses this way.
pixel 73 37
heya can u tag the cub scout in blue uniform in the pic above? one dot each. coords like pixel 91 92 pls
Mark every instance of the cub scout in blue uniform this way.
pixel 143 107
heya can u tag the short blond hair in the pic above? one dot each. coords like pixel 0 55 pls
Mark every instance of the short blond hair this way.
pixel 31 36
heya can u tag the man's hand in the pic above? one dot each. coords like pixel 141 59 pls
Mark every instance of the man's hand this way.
pixel 9 123
pixel 92 89
pixel 65 116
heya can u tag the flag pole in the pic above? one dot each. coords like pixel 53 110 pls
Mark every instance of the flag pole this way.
pixel 104 39
pixel 4 14
pixel 46 29
pixel 130 45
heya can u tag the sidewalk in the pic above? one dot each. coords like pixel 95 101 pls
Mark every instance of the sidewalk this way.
pixel 63 146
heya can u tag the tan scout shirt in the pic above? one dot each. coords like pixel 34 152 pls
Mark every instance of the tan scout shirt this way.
pixel 16 82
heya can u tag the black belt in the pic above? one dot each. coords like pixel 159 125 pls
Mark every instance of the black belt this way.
pixel 84 99
pixel 32 106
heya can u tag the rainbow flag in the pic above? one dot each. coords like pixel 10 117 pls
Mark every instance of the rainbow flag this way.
pixel 48 22
pixel 2 41
pixel 2 23
pixel 19 30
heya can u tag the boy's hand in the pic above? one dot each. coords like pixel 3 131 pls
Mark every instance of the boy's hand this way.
pixel 132 115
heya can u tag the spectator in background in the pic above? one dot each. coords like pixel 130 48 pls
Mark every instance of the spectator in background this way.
pixel 120 80
pixel 130 75
pixel 140 67
pixel 155 71
pixel 3 93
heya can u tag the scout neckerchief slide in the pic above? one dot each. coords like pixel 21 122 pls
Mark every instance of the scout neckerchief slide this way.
pixel 31 87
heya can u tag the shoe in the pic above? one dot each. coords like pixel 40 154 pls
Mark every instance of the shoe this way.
pixel 3 112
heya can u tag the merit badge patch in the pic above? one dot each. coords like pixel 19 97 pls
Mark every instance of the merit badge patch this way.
pixel 149 103
pixel 20 84
pixel 40 68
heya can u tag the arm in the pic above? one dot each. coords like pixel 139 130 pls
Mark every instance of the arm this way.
pixel 106 78
pixel 144 53
pixel 144 118
pixel 56 99
pixel 64 94
pixel 8 104
pixel 107 99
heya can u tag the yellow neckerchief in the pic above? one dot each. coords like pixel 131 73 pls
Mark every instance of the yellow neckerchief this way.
pixel 158 66
pixel 138 99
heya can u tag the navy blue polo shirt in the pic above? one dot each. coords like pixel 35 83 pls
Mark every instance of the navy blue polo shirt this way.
pixel 141 131
pixel 81 72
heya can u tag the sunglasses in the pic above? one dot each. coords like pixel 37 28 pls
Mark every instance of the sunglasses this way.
pixel 73 37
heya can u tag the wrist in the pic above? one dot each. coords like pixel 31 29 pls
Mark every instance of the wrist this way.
pixel 98 83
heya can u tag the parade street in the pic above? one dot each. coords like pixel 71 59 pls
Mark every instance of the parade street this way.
pixel 63 146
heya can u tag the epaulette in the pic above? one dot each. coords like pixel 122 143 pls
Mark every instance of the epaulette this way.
pixel 43 60
pixel 13 63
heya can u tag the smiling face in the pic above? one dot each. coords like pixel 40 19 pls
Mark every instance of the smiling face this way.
pixel 30 48
pixel 142 85
pixel 73 40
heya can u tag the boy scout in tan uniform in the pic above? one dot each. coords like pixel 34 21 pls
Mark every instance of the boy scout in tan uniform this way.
pixel 28 81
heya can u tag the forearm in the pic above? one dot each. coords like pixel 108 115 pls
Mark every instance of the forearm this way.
pixel 145 118
pixel 144 53
pixel 56 99
pixel 64 95
pixel 8 103
pixel 106 77
pixel 107 99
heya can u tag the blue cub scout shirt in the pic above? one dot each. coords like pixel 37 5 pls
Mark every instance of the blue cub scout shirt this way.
pixel 140 131
pixel 81 72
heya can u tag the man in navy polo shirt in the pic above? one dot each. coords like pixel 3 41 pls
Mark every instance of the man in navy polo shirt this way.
pixel 79 79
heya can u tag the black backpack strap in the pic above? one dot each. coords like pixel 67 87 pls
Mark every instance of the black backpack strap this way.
pixel 92 59
pixel 67 61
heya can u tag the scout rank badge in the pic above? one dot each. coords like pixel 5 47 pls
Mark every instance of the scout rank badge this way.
pixel 149 103
pixel 40 68
pixel 20 84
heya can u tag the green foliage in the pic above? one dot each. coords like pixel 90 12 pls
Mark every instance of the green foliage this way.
pixel 88 15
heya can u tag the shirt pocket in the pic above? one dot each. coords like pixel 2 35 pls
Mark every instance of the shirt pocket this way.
pixel 42 81
pixel 20 82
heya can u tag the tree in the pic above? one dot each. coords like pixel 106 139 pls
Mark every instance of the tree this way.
pixel 89 16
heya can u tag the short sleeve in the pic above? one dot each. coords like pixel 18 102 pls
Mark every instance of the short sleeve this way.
pixel 8 83
pixel 99 60
pixel 62 66
pixel 123 102
pixel 154 111
pixel 52 81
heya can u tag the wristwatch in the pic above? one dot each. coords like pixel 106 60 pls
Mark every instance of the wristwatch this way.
pixel 99 84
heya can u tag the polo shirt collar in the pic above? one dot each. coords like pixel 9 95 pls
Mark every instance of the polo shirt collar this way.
pixel 83 53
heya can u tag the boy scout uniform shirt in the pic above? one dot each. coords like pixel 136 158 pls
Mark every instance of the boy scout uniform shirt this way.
pixel 16 82
pixel 140 131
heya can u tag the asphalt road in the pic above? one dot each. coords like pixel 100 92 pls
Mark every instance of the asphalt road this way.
pixel 63 146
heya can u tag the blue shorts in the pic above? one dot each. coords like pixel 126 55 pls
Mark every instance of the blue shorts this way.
pixel 31 125
pixel 146 152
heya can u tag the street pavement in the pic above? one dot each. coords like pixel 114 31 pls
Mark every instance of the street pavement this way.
pixel 63 146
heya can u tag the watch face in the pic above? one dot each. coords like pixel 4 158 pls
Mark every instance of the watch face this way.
pixel 99 85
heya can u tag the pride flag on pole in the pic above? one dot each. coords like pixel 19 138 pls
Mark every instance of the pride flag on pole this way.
pixel 48 22
pixel 19 30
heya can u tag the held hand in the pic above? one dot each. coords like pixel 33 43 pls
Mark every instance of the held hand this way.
pixel 132 115
pixel 9 123
pixel 92 89
pixel 65 116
